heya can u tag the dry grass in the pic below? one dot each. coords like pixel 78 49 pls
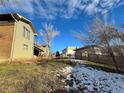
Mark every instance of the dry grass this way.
pixel 30 78
pixel 39 77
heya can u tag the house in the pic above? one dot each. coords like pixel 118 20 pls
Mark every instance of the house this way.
pixel 69 52
pixel 44 50
pixel 118 50
pixel 16 37
pixel 40 50
pixel 37 50
pixel 87 50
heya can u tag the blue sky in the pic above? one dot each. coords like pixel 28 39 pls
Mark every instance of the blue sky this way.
pixel 66 15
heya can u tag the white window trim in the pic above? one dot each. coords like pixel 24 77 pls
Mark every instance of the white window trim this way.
pixel 26 33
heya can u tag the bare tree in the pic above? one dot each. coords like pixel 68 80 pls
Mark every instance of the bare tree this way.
pixel 2 2
pixel 121 34
pixel 100 34
pixel 48 34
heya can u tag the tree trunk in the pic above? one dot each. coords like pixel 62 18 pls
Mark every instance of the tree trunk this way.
pixel 111 52
pixel 113 58
pixel 112 55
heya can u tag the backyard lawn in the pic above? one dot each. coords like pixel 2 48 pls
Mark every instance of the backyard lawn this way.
pixel 55 76
pixel 30 78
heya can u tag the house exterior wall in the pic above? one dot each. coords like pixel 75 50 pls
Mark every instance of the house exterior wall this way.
pixel 78 54
pixel 81 53
pixel 44 50
pixel 6 37
pixel 19 41
pixel 69 52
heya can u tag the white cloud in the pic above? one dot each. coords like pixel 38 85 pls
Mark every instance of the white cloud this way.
pixel 63 8
pixel 91 8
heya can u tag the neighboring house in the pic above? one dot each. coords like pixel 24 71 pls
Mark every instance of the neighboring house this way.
pixel 44 49
pixel 37 50
pixel 69 52
pixel 87 50
pixel 118 50
pixel 40 50
pixel 16 37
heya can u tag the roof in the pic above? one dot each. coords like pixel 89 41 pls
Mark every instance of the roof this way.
pixel 18 17
pixel 88 46
pixel 40 47
pixel 44 45
pixel 37 47
pixel 70 47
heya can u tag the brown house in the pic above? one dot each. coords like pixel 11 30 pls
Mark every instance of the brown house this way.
pixel 87 50
pixel 16 37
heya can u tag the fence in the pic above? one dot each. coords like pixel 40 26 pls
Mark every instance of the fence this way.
pixel 105 59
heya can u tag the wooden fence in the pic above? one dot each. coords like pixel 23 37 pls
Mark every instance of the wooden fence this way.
pixel 104 59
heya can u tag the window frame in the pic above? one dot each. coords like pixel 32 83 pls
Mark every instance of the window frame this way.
pixel 26 33
pixel 25 47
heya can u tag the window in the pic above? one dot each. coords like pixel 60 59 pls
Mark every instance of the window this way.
pixel 26 33
pixel 25 47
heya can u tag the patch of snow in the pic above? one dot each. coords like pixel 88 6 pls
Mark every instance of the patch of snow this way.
pixel 90 80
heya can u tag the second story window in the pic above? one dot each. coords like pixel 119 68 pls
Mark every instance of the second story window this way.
pixel 26 33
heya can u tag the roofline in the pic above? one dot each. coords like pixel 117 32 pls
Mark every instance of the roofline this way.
pixel 87 47
pixel 25 19
pixel 19 17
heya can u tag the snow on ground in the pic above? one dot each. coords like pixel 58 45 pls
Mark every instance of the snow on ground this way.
pixel 89 80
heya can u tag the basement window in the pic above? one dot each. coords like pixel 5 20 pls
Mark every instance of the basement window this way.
pixel 25 47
